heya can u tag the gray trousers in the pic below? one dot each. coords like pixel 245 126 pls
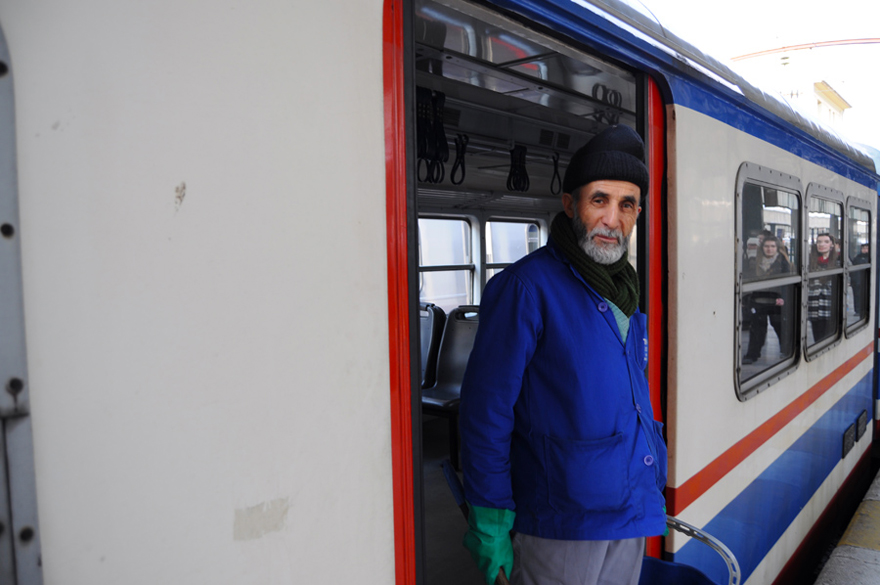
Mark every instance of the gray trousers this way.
pixel 541 561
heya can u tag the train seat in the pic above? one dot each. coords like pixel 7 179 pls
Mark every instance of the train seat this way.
pixel 443 398
pixel 431 321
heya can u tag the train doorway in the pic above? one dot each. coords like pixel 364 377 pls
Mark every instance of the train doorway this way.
pixel 495 111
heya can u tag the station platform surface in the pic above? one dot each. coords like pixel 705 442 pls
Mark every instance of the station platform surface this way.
pixel 856 559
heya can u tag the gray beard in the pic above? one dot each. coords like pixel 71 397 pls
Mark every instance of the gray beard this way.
pixel 597 252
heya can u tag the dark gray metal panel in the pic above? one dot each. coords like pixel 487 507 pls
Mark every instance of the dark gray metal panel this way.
pixel 20 562
pixel 23 497
pixel 7 557
pixel 13 387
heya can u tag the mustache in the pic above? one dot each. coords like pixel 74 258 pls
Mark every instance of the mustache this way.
pixel 606 232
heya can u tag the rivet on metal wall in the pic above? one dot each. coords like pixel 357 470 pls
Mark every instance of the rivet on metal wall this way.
pixel 14 386
pixel 7 230
pixel 26 534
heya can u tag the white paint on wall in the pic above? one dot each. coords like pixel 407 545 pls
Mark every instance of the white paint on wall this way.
pixel 255 521
pixel 192 356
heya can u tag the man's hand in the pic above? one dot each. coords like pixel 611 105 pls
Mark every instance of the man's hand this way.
pixel 488 540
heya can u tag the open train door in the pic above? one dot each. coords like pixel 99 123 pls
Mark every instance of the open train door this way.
pixel 510 80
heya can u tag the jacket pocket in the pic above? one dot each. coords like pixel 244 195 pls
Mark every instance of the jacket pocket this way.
pixel 585 476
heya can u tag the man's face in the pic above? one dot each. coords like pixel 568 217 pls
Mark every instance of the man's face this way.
pixel 604 217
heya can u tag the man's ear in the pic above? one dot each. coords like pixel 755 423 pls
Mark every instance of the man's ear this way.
pixel 568 204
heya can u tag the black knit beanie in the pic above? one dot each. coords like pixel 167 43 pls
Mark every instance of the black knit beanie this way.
pixel 615 154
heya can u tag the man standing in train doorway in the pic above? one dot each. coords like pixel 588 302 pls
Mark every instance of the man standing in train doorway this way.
pixel 559 443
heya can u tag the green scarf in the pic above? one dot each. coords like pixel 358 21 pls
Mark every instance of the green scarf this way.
pixel 617 282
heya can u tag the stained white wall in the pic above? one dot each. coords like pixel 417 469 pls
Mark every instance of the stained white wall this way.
pixel 202 196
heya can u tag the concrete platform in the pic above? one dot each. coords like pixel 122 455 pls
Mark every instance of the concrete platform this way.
pixel 856 560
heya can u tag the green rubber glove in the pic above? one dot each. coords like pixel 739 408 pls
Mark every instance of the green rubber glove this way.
pixel 488 540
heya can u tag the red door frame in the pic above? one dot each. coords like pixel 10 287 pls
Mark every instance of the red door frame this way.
pixel 398 282
pixel 398 295
pixel 656 262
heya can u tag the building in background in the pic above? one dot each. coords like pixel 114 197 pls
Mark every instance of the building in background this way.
pixel 801 79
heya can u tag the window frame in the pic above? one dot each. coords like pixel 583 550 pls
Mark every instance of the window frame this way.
pixel 818 191
pixel 849 267
pixel 478 266
pixel 765 177
pixel 473 267
pixel 484 230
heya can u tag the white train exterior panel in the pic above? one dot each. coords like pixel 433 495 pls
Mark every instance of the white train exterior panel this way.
pixel 208 343
pixel 702 264
pixel 706 421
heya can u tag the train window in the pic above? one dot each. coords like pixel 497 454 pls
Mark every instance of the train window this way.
pixel 769 264
pixel 824 270
pixel 446 267
pixel 771 238
pixel 858 252
pixel 507 242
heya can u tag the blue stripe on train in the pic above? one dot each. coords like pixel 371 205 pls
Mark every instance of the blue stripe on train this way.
pixel 742 116
pixel 755 520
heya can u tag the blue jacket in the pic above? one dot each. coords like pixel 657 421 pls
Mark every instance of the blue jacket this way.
pixel 556 420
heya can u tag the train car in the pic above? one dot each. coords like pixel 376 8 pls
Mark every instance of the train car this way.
pixel 242 253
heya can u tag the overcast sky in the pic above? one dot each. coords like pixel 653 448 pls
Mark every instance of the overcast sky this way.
pixel 729 29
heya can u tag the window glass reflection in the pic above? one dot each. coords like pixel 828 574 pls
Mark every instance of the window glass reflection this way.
pixel 453 44
pixel 507 241
pixel 769 215
pixel 825 227
pixel 859 235
pixel 770 238
pixel 823 313
pixel 859 279
pixel 770 260
pixel 447 289
pixel 444 242
pixel 769 328
pixel 858 293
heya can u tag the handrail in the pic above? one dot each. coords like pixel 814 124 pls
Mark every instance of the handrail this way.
pixel 712 542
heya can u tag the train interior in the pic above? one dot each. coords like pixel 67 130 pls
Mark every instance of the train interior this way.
pixel 500 109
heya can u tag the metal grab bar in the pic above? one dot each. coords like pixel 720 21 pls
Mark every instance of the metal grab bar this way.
pixel 712 542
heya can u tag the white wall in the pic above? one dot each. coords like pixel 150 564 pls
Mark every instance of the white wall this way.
pixel 202 202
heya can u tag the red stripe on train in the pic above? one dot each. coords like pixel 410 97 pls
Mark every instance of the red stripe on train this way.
pixel 681 497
